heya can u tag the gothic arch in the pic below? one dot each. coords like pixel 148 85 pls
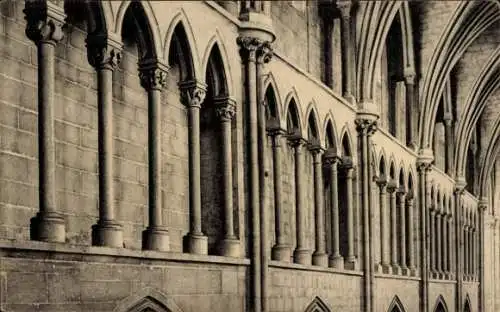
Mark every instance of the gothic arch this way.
pixel 292 112
pixel 270 84
pixel 217 40
pixel 382 167
pixel 487 81
pixel 181 20
pixel 271 100
pixel 467 304
pixel 346 144
pixel 317 305
pixel 97 15
pixel 489 160
pixel 402 177
pixel 440 305
pixel 149 22
pixel 216 73
pixel 371 45
pixel 313 132
pixel 147 298
pixel 329 130
pixel 396 305
pixel 392 169
pixel 469 20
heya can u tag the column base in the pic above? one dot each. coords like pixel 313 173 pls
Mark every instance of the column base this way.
pixel 230 247
pixel 197 243
pixel 107 233
pixel 281 253
pixel 302 256
pixel 336 262
pixel 351 264
pixel 396 269
pixel 413 271
pixel 405 271
pixel 320 259
pixel 384 268
pixel 48 227
pixel 155 238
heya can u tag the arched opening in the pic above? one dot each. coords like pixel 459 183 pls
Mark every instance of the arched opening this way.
pixel 331 151
pixel 470 170
pixel 317 305
pixel 211 158
pixel 439 141
pixel 312 129
pixel 396 305
pixel 179 56
pixel 292 119
pixel 393 79
pixel 467 306
pixel 441 305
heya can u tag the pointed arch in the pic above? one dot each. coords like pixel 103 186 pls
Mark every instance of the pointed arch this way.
pixel 317 305
pixel 215 73
pixel 292 113
pixel 411 183
pixel 148 21
pixel 217 41
pixel 271 86
pixel 313 133
pixel 382 165
pixel 346 143
pixel 97 14
pixel 396 305
pixel 402 177
pixel 392 168
pixel 147 298
pixel 488 161
pixel 467 304
pixel 440 305
pixel 181 20
pixel 330 133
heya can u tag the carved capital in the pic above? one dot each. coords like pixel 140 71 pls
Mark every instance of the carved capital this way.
pixel 193 93
pixel 103 52
pixel 153 75
pixel 45 21
pixel 382 183
pixel 344 8
pixel 331 160
pixel 366 126
pixel 264 53
pixel 225 108
pixel 423 167
pixel 248 47
pixel 296 141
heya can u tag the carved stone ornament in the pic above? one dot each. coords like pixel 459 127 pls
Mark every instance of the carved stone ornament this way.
pixel 264 52
pixel 153 75
pixel 103 53
pixel 366 126
pixel 44 22
pixel 193 93
pixel 225 109
pixel 331 160
pixel 248 47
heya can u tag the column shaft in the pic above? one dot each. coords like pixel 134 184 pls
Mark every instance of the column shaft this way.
pixel 46 31
pixel 193 95
pixel 225 110
pixel 319 257
pixel 104 55
pixel 402 209
pixel 281 250
pixel 350 215
pixel 153 77
pixel 302 255
pixel 411 248
pixel 410 109
pixel 446 243
pixel 336 259
pixel 384 238
pixel 394 230
pixel 346 43
pixel 466 252
pixel 432 235
pixel 439 243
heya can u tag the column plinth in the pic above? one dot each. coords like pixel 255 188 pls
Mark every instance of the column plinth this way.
pixel 153 76
pixel 44 27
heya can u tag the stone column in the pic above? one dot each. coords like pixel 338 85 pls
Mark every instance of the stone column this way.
pixel 384 228
pixel 392 187
pixel 351 258
pixel 439 245
pixel 482 209
pixel 225 109
pixel 153 76
pixel 193 95
pixel 459 264
pixel 104 55
pixel 466 253
pixel 336 260
pixel 320 256
pixel 449 142
pixel 302 254
pixel 423 167
pixel 347 48
pixel 432 234
pixel 411 247
pixel 402 236
pixel 446 243
pixel 44 27
pixel 281 250
pixel 411 123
